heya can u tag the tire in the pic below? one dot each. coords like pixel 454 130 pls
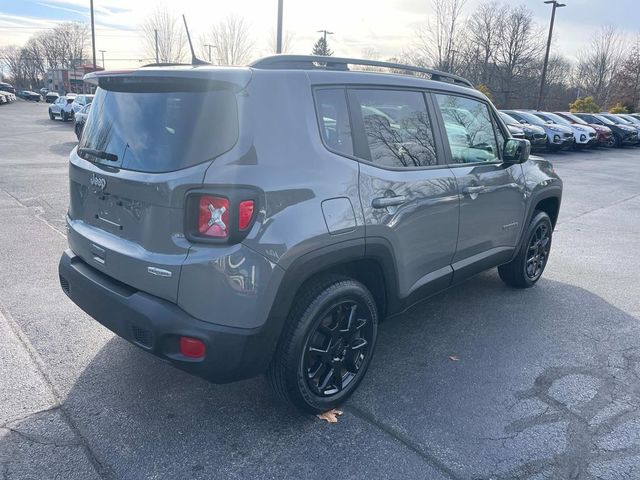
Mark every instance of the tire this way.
pixel 331 328
pixel 51 115
pixel 78 131
pixel 522 271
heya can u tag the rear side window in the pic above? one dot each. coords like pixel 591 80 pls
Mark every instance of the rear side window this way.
pixel 161 131
pixel 469 128
pixel 396 127
pixel 333 117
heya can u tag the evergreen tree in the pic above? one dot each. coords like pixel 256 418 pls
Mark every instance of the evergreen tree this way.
pixel 321 48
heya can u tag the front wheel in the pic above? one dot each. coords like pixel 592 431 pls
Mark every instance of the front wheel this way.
pixel 326 345
pixel 51 115
pixel 527 267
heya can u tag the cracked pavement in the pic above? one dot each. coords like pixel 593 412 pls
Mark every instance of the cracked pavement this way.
pixel 547 385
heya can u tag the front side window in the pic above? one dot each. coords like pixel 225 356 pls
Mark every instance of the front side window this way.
pixel 469 128
pixel 333 117
pixel 397 128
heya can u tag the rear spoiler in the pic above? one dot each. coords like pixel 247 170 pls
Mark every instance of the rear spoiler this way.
pixel 237 77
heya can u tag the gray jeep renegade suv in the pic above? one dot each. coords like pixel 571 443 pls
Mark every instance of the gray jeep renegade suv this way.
pixel 238 221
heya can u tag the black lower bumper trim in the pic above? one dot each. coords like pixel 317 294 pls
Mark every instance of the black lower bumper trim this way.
pixel 156 325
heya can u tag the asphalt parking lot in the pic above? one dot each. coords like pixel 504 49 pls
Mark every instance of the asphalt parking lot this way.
pixel 479 382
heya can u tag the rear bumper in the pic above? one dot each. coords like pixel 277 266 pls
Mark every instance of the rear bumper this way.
pixel 155 325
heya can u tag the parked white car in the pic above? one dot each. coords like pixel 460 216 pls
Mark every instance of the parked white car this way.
pixel 583 135
pixel 62 108
pixel 80 102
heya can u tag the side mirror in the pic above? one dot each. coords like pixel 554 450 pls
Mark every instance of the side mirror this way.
pixel 516 150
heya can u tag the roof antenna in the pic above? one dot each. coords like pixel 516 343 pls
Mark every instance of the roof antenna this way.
pixel 194 60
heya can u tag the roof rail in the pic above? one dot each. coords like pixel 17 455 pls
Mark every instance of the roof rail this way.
pixel 315 62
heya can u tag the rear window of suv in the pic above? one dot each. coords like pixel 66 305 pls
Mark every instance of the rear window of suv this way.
pixel 151 129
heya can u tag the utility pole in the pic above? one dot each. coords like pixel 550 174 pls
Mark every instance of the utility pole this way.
pixel 93 35
pixel 157 56
pixel 102 52
pixel 555 4
pixel 325 32
pixel 279 30
pixel 207 45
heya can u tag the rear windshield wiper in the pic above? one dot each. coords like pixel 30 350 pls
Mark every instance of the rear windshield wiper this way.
pixel 99 154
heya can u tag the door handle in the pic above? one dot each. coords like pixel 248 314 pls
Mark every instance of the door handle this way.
pixel 472 190
pixel 384 202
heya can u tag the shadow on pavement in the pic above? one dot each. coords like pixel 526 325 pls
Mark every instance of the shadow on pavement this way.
pixel 487 380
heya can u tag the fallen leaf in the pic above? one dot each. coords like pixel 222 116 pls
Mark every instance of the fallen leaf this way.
pixel 330 416
pixel 455 358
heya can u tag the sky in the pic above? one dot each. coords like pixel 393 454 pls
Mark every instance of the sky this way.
pixel 384 26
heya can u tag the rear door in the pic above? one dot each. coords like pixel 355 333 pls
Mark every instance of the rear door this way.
pixel 492 193
pixel 408 196
pixel 145 144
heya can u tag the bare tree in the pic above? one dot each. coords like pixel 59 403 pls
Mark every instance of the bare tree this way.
pixel 288 40
pixel 172 41
pixel 65 46
pixel 483 38
pixel 437 41
pixel 517 52
pixel 627 80
pixel 233 43
pixel 598 63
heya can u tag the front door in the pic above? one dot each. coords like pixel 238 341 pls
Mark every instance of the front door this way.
pixel 492 193
pixel 409 197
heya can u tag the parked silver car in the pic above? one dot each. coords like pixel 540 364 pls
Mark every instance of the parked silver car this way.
pixel 61 108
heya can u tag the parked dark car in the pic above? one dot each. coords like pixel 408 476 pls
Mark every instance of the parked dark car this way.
pixel 80 118
pixel 7 87
pixel 558 136
pixel 236 250
pixel 535 134
pixel 630 118
pixel 619 120
pixel 29 95
pixel 604 135
pixel 51 97
pixel 623 134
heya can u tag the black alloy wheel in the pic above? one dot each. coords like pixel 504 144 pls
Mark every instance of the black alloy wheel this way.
pixel 338 347
pixel 527 266
pixel 326 345
pixel 538 251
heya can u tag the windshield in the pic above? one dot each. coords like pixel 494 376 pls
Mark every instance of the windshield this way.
pixel 160 131
pixel 508 119
pixel 575 118
pixel 557 119
pixel 529 118
pixel 604 119
pixel 616 119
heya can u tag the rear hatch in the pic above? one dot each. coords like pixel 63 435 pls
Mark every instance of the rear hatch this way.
pixel 149 138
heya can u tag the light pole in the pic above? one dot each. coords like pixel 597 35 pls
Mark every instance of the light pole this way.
pixel 279 29
pixel 102 52
pixel 555 4
pixel 207 45
pixel 93 35
pixel 157 56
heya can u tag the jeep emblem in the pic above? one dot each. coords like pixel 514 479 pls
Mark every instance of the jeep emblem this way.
pixel 98 182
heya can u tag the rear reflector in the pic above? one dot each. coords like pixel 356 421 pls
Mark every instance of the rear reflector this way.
pixel 245 214
pixel 213 218
pixel 192 347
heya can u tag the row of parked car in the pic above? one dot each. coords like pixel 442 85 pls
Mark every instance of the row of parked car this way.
pixel 560 130
pixel 72 107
